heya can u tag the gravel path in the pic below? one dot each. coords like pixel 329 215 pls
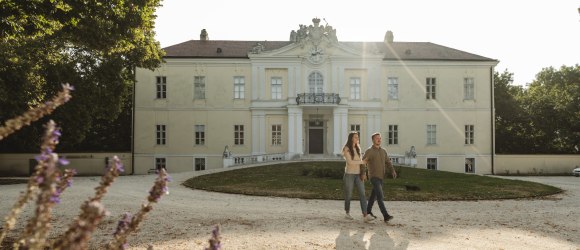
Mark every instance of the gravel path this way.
pixel 184 219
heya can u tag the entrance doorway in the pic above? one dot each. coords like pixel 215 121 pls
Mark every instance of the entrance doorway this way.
pixel 315 139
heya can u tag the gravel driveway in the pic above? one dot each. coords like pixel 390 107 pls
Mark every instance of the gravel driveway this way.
pixel 184 219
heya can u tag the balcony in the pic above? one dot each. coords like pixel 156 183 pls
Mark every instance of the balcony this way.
pixel 317 98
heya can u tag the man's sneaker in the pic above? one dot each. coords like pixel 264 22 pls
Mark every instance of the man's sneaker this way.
pixel 368 219
pixel 388 218
pixel 347 216
pixel 372 215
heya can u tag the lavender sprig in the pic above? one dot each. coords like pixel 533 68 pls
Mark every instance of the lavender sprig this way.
pixel 46 180
pixel 215 240
pixel 78 234
pixel 125 228
pixel 36 113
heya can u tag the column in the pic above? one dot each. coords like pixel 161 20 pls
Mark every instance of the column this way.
pixel 294 132
pixel 340 119
pixel 258 133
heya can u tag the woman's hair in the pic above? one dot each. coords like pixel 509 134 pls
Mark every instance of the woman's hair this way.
pixel 349 144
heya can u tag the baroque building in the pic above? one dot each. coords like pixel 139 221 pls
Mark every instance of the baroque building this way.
pixel 213 104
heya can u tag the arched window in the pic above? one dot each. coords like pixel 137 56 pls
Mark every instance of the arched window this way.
pixel 315 82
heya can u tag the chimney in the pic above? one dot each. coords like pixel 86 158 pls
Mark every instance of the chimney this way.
pixel 389 37
pixel 203 36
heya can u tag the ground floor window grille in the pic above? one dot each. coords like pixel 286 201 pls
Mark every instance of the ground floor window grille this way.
pixel 199 164
pixel 469 165
pixel 160 163
pixel 432 163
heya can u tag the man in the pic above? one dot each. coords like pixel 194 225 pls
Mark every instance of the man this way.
pixel 378 161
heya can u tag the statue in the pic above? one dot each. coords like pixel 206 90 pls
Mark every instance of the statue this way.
pixel 412 152
pixel 227 152
pixel 258 48
pixel 203 36
pixel 410 157
pixel 293 36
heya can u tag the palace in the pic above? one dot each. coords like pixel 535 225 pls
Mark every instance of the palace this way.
pixel 213 104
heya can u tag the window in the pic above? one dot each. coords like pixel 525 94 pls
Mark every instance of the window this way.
pixel 315 82
pixel 355 88
pixel 161 87
pixel 276 88
pixel 393 135
pixel 239 134
pixel 239 87
pixel 468 88
pixel 431 134
pixel 430 88
pixel 469 165
pixel 160 163
pixel 160 134
pixel 199 164
pixel 355 127
pixel 432 163
pixel 199 87
pixel 393 88
pixel 199 134
pixel 469 133
pixel 277 134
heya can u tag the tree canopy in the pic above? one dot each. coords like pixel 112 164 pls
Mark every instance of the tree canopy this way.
pixel 543 118
pixel 93 45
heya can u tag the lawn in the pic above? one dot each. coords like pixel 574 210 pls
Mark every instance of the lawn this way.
pixel 323 180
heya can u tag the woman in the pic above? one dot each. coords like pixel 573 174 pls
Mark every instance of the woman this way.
pixel 354 175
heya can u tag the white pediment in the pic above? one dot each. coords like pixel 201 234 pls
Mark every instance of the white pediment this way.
pixel 314 43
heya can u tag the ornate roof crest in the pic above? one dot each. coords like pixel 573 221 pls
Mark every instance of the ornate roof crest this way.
pixel 314 33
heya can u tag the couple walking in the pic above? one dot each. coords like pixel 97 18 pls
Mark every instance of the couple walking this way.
pixel 377 160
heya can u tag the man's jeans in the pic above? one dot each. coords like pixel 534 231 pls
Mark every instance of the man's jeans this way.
pixel 351 180
pixel 377 194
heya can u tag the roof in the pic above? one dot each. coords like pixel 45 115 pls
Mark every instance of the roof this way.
pixel 392 51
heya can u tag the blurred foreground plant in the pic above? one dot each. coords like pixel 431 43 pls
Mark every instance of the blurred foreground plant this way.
pixel 48 182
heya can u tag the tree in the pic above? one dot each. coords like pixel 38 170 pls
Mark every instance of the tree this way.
pixel 553 102
pixel 540 119
pixel 511 121
pixel 93 45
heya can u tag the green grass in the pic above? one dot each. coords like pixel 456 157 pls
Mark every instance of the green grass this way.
pixel 303 180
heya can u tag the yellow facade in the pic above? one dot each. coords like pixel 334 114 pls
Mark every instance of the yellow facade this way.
pixel 285 97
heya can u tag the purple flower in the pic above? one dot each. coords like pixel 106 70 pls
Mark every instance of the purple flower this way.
pixel 63 161
pixel 39 179
pixel 123 224
pixel 119 167
pixel 55 198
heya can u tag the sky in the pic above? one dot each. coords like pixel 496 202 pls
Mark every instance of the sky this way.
pixel 524 36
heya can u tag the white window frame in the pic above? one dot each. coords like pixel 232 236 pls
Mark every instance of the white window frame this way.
pixel 431 134
pixel 199 134
pixel 239 87
pixel 276 88
pixel 393 88
pixel 431 88
pixel 161 87
pixel 199 87
pixel 469 134
pixel 393 134
pixel 160 162
pixel 355 88
pixel 276 134
pixel 355 127
pixel 160 134
pixel 239 134
pixel 199 161
pixel 432 163
pixel 468 88
pixel 316 83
